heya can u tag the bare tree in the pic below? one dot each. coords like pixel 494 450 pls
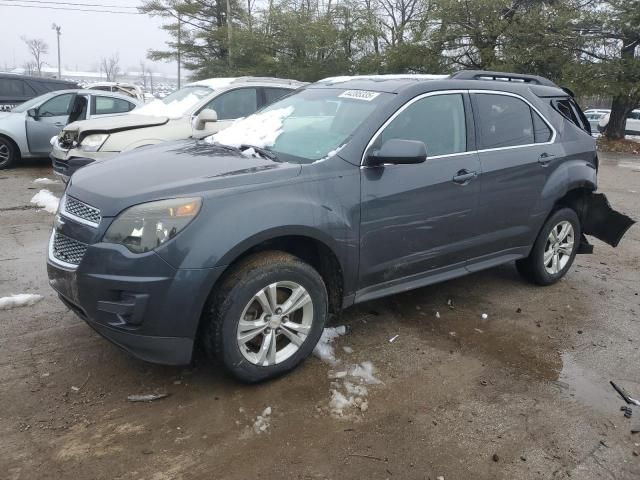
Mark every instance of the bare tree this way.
pixel 111 67
pixel 38 49
pixel 29 68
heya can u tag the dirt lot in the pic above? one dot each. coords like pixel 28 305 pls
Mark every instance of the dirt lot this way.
pixel 529 384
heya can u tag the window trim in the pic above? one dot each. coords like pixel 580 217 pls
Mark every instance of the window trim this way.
pixel 407 105
pixel 509 94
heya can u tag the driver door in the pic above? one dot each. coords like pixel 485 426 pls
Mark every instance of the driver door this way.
pixel 51 118
pixel 419 221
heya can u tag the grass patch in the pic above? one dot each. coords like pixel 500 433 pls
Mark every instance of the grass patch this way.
pixel 618 146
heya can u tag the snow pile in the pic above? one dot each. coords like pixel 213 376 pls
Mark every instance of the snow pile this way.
pixel 175 109
pixel 324 349
pixel 263 422
pixel 348 390
pixel 45 181
pixel 260 129
pixel 19 300
pixel 47 200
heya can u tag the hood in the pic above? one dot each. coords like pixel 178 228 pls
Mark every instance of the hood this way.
pixel 116 124
pixel 171 169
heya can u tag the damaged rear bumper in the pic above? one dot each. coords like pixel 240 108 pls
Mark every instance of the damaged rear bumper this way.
pixel 603 222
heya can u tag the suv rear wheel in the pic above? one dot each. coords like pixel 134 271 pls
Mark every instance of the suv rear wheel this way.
pixel 554 249
pixel 8 153
pixel 267 316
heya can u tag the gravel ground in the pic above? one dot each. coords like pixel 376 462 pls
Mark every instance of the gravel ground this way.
pixel 522 394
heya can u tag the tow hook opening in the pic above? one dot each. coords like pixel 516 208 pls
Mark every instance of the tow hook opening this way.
pixel 603 222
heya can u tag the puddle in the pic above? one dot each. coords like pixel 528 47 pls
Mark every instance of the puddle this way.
pixel 586 387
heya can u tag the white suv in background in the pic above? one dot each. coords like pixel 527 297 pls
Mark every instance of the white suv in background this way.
pixel 632 127
pixel 197 110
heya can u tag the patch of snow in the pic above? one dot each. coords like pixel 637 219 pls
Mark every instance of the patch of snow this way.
pixel 47 200
pixel 393 339
pixel 19 300
pixel 485 316
pixel 324 349
pixel 365 371
pixel 174 110
pixel 45 181
pixel 263 422
pixel 437 314
pixel 259 129
pixel 331 153
pixel 347 349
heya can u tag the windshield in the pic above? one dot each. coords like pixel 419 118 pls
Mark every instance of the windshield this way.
pixel 307 126
pixel 177 104
pixel 23 107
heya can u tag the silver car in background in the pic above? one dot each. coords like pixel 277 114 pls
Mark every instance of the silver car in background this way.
pixel 27 130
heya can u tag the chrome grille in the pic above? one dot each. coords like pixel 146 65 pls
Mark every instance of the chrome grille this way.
pixel 67 249
pixel 82 211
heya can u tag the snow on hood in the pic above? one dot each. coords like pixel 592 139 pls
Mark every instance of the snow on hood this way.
pixel 259 129
pixel 173 110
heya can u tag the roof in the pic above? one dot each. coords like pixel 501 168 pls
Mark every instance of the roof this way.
pixel 36 79
pixel 95 92
pixel 224 82
pixel 471 79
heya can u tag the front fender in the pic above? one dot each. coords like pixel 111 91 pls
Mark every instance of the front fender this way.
pixel 22 145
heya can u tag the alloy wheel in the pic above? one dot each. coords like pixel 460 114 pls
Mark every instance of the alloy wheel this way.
pixel 275 323
pixel 559 247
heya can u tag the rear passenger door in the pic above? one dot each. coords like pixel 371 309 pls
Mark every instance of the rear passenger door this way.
pixel 517 153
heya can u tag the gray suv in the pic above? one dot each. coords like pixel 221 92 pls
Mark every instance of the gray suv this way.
pixel 350 189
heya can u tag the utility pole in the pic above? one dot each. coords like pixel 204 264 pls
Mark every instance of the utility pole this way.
pixel 229 35
pixel 179 46
pixel 57 28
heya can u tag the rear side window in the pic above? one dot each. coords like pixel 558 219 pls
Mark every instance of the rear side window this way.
pixel 569 109
pixel 438 121
pixel 109 105
pixel 503 121
pixel 11 87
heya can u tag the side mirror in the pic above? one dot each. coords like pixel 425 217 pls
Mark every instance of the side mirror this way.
pixel 33 113
pixel 205 116
pixel 398 151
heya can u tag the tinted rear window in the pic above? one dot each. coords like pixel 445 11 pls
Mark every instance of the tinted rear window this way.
pixel 503 121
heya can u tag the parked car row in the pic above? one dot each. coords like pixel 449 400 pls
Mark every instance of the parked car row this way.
pixel 599 119
pixel 343 191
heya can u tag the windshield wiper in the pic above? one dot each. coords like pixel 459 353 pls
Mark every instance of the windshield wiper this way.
pixel 262 151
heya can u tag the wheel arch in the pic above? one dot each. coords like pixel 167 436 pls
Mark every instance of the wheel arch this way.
pixel 15 144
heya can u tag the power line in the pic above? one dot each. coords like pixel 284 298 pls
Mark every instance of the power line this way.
pixel 68 9
pixel 73 3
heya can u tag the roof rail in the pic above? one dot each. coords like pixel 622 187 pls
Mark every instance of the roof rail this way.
pixel 502 76
pixel 268 80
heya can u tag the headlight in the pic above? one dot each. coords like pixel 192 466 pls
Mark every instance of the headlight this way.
pixel 92 143
pixel 147 226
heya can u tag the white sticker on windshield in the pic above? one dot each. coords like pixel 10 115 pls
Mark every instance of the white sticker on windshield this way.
pixel 359 95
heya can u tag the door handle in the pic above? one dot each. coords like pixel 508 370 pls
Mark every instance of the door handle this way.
pixel 545 158
pixel 59 124
pixel 464 176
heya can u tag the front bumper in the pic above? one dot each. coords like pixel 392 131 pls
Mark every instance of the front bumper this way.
pixel 138 302
pixel 66 162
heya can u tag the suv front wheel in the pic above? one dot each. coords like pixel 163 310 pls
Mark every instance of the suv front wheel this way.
pixel 267 316
pixel 554 249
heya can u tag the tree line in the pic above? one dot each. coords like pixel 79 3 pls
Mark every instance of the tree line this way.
pixel 590 46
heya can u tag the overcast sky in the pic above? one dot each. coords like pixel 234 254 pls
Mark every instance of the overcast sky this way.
pixel 86 36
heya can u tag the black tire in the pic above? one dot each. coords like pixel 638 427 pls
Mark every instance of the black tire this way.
pixel 533 267
pixel 9 154
pixel 249 277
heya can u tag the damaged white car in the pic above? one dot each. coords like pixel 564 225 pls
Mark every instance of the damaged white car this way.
pixel 197 110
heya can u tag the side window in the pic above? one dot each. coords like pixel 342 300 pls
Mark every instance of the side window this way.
pixel 438 121
pixel 11 87
pixel 570 110
pixel 235 104
pixel 57 106
pixel 503 121
pixel 541 131
pixel 110 105
pixel 273 94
